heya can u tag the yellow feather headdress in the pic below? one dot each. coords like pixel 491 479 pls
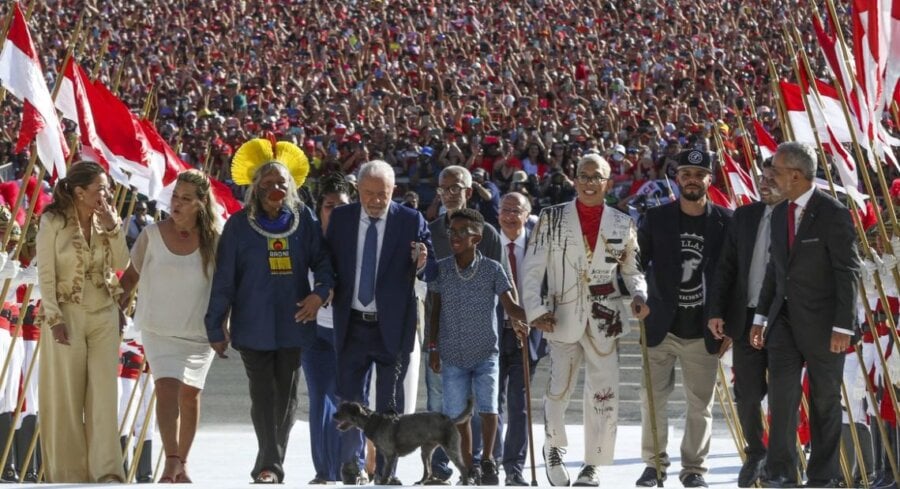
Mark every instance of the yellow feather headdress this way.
pixel 257 152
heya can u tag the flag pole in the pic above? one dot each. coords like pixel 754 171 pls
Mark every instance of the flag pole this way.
pixel 720 150
pixel 855 436
pixel 750 155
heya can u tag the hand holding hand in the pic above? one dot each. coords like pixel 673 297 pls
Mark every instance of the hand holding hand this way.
pixel 219 347
pixel 545 323
pixel 308 308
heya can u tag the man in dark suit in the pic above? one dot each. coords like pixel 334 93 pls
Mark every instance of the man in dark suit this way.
pixel 514 211
pixel 732 303
pixel 806 315
pixel 680 244
pixel 378 248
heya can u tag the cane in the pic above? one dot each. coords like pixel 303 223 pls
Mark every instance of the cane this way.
pixel 645 356
pixel 526 374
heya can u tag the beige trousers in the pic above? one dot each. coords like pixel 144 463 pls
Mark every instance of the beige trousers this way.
pixel 698 372
pixel 601 395
pixel 78 398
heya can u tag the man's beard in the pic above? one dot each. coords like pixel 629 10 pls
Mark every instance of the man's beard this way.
pixel 694 196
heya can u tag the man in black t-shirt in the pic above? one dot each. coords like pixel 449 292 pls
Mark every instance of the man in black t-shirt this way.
pixel 680 244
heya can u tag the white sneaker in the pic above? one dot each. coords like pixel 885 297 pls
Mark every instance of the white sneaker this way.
pixel 556 470
pixel 588 477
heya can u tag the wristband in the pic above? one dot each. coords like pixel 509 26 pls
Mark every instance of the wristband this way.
pixel 432 347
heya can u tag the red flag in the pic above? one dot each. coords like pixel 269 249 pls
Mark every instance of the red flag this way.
pixel 831 106
pixel 22 75
pixel 228 205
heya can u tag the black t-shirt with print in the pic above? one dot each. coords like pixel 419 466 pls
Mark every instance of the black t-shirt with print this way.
pixel 688 323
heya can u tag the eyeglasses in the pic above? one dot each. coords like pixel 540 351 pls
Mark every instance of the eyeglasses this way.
pixel 451 190
pixel 588 179
pixel 510 210
pixel 460 233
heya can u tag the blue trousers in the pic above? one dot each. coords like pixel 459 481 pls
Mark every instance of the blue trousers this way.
pixel 512 404
pixel 319 364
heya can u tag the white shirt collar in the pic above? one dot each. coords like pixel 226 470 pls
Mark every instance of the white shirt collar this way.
pixel 520 241
pixel 804 199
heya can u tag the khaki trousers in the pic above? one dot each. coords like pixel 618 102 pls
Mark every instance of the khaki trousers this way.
pixel 78 398
pixel 601 395
pixel 698 372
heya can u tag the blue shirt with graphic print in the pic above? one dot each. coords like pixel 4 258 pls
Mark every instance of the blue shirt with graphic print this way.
pixel 468 320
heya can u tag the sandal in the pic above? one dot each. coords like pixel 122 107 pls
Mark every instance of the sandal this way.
pixel 171 479
pixel 182 477
pixel 266 477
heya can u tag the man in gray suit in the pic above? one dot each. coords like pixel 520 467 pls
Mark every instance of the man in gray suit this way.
pixel 806 314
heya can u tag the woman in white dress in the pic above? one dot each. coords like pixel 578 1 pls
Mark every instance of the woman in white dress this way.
pixel 172 263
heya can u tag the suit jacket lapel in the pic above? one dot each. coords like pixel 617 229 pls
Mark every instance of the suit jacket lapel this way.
pixel 670 234
pixel 389 241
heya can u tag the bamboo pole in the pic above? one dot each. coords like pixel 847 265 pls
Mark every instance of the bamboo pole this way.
pixel 855 436
pixel 132 469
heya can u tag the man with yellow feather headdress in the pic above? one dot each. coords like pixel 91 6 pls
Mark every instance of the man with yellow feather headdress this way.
pixel 264 258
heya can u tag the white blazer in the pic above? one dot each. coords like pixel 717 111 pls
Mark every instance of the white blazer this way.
pixel 581 289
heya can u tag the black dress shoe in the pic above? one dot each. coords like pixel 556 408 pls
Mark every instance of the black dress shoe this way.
pixel 515 479
pixel 751 471
pixel 693 480
pixel 650 479
pixel 779 481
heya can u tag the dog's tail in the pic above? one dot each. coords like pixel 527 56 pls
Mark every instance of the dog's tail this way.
pixel 467 412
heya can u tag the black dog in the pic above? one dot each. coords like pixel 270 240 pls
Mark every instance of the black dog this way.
pixel 398 435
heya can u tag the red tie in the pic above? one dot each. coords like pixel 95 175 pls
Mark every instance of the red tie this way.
pixel 512 262
pixel 792 212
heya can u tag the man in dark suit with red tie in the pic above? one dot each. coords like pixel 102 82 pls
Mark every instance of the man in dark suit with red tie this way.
pixel 806 314
pixel 732 304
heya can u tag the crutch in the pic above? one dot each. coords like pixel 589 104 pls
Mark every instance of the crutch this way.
pixel 648 386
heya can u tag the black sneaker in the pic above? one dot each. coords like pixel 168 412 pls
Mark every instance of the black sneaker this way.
pixel 9 475
pixel 489 473
pixel 515 479
pixel 693 480
pixel 649 478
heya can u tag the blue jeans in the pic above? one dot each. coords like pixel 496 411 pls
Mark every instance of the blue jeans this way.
pixel 482 380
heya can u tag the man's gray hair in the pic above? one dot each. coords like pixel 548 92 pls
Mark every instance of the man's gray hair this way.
pixel 525 202
pixel 602 165
pixel 461 173
pixel 799 156
pixel 379 169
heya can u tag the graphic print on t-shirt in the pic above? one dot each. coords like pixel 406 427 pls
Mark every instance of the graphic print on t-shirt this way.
pixel 690 291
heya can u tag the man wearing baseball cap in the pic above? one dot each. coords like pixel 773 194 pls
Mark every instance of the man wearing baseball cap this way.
pixel 676 327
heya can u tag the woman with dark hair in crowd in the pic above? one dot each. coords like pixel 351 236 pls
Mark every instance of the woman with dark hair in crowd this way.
pixel 318 361
pixel 173 262
pixel 80 246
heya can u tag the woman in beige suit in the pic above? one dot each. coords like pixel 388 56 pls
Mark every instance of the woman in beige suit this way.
pixel 80 245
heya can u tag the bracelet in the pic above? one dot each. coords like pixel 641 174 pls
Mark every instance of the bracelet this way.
pixel 432 347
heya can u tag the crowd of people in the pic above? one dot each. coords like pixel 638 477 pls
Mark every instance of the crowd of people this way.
pixel 336 120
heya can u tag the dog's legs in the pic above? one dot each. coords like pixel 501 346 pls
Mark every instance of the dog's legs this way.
pixel 453 452
pixel 390 467
pixel 427 451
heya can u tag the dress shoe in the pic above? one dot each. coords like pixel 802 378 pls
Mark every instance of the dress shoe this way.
pixel 779 481
pixel 693 480
pixel 751 471
pixel 650 478
pixel 515 479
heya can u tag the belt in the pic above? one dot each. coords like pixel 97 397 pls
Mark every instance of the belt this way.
pixel 368 317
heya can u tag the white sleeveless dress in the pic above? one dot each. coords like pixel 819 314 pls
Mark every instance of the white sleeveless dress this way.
pixel 173 294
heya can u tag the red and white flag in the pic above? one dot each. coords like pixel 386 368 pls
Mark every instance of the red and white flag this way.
pixel 831 108
pixel 22 75
pixel 742 183
pixel 227 204
pixel 765 141
pixel 74 102
pixel 892 69
pixel 718 198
